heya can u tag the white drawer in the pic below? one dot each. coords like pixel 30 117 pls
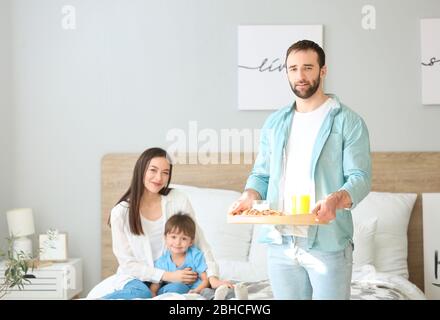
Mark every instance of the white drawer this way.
pixel 60 281
pixel 45 286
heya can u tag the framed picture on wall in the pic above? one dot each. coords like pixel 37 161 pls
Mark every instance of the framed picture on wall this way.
pixel 430 42
pixel 262 80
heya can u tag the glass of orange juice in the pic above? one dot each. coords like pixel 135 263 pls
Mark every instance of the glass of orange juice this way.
pixel 301 204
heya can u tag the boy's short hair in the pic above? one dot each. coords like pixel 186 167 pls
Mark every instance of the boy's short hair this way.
pixel 181 222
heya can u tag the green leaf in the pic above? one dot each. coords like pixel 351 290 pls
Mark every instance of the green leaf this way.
pixel 15 271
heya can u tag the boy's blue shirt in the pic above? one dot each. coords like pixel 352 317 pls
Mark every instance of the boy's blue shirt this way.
pixel 194 259
pixel 341 160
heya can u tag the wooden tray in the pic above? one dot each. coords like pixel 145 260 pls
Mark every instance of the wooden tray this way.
pixel 297 219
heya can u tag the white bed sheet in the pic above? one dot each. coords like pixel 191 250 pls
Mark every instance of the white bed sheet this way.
pixel 367 284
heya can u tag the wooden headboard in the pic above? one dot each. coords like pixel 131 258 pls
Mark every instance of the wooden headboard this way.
pixel 416 172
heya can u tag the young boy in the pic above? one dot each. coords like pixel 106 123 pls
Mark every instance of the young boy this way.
pixel 180 231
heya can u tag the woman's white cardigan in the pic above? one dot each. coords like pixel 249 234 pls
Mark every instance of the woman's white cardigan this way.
pixel 133 252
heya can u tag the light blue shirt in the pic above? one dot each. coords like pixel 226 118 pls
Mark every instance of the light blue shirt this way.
pixel 341 160
pixel 194 259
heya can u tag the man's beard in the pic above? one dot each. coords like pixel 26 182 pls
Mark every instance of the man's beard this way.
pixel 313 87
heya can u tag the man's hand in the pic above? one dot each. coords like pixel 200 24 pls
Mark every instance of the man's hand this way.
pixel 325 210
pixel 244 202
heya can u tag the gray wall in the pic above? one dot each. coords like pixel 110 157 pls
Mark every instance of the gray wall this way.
pixel 132 70
pixel 5 118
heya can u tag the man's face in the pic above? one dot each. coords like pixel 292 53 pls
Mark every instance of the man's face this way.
pixel 304 73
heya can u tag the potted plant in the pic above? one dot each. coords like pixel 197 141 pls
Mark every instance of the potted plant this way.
pixel 16 268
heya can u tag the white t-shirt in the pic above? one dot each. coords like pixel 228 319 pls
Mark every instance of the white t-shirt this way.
pixel 155 229
pixel 297 175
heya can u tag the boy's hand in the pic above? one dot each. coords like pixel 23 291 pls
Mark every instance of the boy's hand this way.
pixel 216 282
pixel 195 291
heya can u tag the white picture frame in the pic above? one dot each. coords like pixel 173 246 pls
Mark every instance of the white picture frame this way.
pixel 430 64
pixel 53 247
pixel 262 79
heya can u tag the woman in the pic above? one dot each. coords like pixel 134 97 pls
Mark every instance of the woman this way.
pixel 137 223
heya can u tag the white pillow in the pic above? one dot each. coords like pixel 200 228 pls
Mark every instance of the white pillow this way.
pixel 392 211
pixel 253 270
pixel 227 241
pixel 363 240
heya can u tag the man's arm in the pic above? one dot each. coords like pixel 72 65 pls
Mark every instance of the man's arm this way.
pixel 357 163
pixel 357 172
pixel 258 180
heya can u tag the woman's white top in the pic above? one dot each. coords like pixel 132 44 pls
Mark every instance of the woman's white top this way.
pixel 134 252
pixel 155 230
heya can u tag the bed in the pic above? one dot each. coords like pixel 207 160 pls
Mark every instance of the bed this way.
pixel 388 237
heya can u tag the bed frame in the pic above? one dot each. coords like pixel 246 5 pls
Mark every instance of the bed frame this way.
pixel 417 172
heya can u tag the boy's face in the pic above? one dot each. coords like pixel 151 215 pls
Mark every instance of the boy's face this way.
pixel 177 242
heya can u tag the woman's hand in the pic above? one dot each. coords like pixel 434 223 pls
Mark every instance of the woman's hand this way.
pixel 216 282
pixel 185 276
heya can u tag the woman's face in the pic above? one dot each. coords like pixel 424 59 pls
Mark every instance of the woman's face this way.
pixel 157 175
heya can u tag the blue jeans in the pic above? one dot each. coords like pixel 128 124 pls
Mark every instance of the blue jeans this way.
pixel 134 289
pixel 299 273
pixel 176 287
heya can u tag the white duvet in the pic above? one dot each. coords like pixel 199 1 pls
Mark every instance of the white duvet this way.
pixel 367 284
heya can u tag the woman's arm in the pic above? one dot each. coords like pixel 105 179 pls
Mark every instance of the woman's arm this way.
pixel 141 269
pixel 185 276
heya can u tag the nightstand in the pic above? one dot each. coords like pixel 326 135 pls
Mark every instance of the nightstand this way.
pixel 59 281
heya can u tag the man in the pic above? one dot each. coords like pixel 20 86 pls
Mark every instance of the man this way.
pixel 318 146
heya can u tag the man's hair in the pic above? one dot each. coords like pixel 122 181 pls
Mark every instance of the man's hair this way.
pixel 304 45
pixel 181 222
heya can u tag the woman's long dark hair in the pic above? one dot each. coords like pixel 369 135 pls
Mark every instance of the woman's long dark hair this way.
pixel 134 193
